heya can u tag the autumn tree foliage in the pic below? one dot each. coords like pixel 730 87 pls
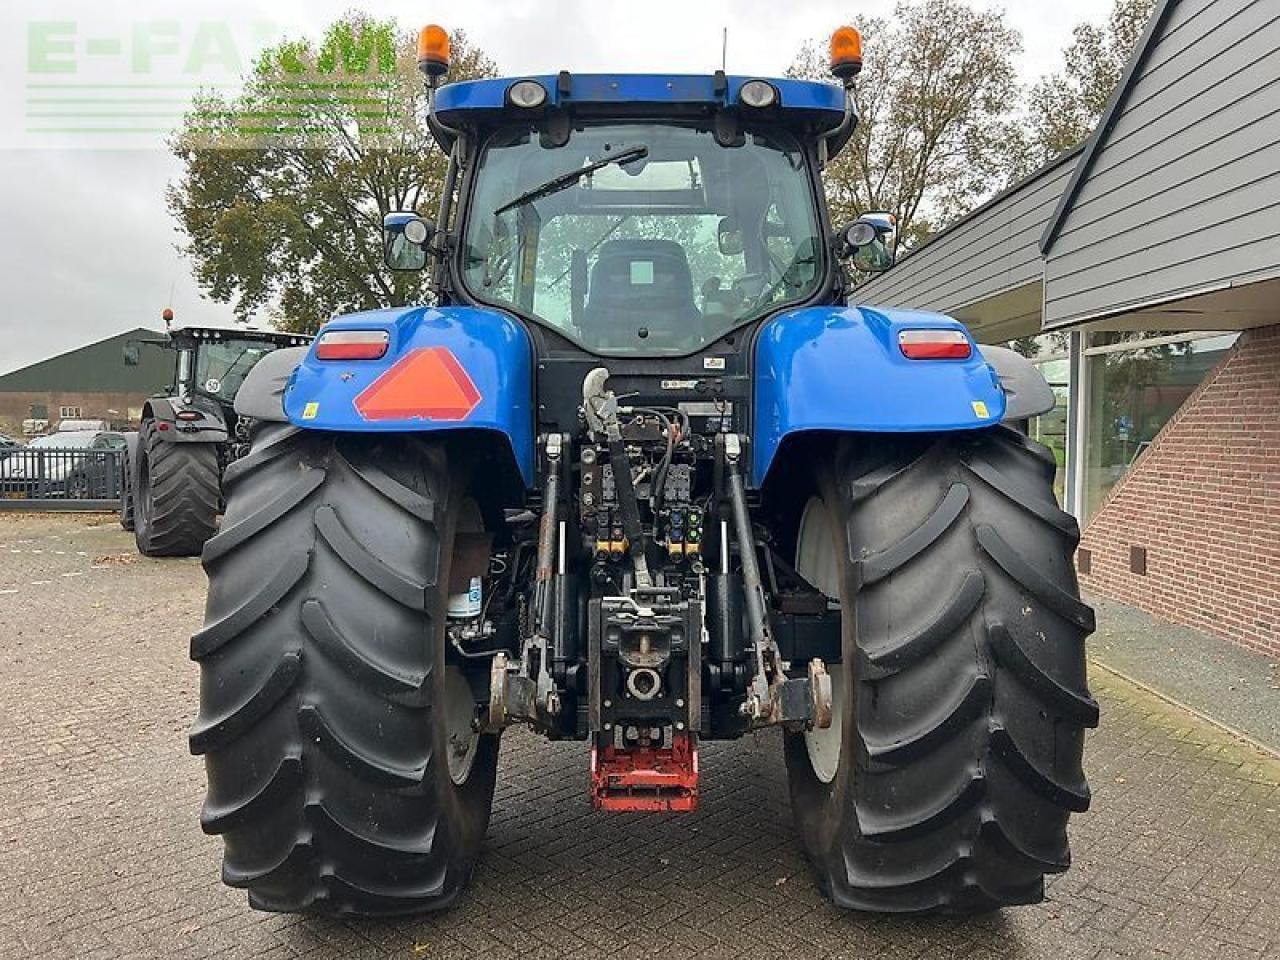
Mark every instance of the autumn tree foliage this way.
pixel 1064 107
pixel 936 100
pixel 285 185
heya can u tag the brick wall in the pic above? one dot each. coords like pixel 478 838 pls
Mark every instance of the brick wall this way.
pixel 16 407
pixel 1204 500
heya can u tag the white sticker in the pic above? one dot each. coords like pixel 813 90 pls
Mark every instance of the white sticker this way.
pixel 713 363
pixel 679 384
pixel 641 272
pixel 707 408
pixel 213 385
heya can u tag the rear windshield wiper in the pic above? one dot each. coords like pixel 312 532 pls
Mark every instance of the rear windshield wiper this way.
pixel 566 180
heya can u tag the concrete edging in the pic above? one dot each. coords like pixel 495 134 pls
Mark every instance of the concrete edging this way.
pixel 1198 714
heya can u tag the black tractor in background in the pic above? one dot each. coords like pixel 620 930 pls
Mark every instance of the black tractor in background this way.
pixel 171 489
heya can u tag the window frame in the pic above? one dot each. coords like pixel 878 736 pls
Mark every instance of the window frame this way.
pixel 1080 351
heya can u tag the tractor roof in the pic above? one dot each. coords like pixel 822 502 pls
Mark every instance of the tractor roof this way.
pixel 240 333
pixel 804 105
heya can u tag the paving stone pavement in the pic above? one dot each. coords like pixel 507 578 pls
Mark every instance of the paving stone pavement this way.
pixel 101 855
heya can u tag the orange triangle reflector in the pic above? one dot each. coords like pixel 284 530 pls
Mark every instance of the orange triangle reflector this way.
pixel 426 384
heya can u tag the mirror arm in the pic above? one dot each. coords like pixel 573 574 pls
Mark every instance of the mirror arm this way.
pixel 438 243
pixel 445 136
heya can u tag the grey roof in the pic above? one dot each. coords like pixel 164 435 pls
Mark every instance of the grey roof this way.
pixel 985 257
pixel 1167 215
pixel 1177 193
pixel 96 367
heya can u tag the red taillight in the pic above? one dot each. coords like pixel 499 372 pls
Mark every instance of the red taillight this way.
pixel 352 345
pixel 934 344
pixel 188 415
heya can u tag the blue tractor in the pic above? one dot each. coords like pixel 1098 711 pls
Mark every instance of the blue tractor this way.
pixel 641 476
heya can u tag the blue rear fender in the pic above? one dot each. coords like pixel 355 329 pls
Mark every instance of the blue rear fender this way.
pixel 446 368
pixel 840 369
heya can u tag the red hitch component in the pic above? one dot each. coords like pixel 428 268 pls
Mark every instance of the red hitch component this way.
pixel 646 779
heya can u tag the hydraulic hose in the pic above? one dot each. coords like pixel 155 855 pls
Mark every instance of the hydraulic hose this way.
pixel 629 507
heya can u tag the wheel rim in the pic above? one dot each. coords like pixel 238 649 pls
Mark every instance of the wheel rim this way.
pixel 819 563
pixel 461 737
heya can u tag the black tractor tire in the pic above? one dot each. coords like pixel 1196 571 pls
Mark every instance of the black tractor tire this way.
pixel 960 756
pixel 126 494
pixel 126 483
pixel 323 692
pixel 175 494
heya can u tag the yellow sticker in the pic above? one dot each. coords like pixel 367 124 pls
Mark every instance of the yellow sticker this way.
pixel 311 409
pixel 979 408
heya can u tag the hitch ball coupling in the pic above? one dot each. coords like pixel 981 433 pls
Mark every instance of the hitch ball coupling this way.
pixel 643 683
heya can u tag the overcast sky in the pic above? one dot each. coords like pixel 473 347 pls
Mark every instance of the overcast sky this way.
pixel 87 248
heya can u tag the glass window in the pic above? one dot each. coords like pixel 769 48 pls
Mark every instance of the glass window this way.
pixel 221 366
pixel 1132 395
pixel 109 441
pixel 658 255
pixel 1107 338
pixel 1051 428
pixel 1048 352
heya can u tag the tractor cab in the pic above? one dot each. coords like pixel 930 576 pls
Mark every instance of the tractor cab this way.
pixel 212 362
pixel 210 365
pixel 631 215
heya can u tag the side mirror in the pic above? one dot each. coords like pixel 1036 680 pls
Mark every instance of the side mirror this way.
pixel 404 241
pixel 870 242
pixel 132 355
pixel 729 237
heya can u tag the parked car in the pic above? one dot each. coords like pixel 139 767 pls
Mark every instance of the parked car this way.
pixel 75 465
pixel 82 426
pixel 7 444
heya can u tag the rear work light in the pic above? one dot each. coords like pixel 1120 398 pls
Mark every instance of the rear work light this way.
pixel 188 415
pixel 934 344
pixel 352 345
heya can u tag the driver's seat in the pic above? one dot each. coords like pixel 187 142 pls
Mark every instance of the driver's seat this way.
pixel 640 283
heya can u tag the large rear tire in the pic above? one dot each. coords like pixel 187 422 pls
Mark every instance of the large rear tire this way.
pixel 175 495
pixel 126 482
pixel 344 772
pixel 955 756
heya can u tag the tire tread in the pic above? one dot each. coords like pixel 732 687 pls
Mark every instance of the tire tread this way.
pixel 960 789
pixel 349 818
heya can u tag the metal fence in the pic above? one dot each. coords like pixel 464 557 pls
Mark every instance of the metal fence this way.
pixel 60 478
